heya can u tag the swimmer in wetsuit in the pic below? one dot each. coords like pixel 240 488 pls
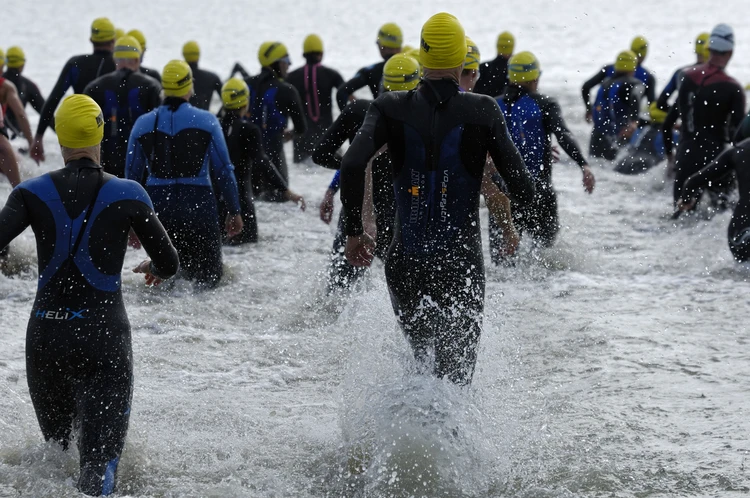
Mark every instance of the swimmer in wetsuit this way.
pixel 79 361
pixel 28 92
pixel 124 96
pixel 438 139
pixel 138 35
pixel 493 75
pixel 205 83
pixel 389 42
pixel 251 164
pixel 315 84
pixel 400 73
pixel 735 160
pixel 179 154
pixel 532 119
pixel 272 102
pixel 616 109
pixel 78 72
pixel 673 85
pixel 711 105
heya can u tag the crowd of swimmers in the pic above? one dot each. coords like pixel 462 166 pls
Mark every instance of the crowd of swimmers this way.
pixel 147 165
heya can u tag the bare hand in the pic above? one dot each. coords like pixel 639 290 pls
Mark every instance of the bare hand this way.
pixel 233 225
pixel 145 268
pixel 36 150
pixel 360 250
pixel 295 198
pixel 326 207
pixel 588 179
pixel 555 154
pixel 589 117
pixel 288 135
pixel 685 205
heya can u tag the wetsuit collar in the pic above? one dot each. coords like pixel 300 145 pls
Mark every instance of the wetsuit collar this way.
pixel 105 53
pixel 439 91
pixel 193 66
pixel 174 103
pixel 82 164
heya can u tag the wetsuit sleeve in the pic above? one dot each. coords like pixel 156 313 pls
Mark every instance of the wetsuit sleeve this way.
pixel 239 69
pixel 34 96
pixel 553 122
pixel 650 88
pixel 589 84
pixel 135 159
pixel 663 100
pixel 267 169
pixel 371 137
pixel 153 237
pixel 14 218
pixel 508 160
pixel 335 181
pixel 222 170
pixel 668 128
pixel 743 130
pixel 338 80
pixel 737 111
pixel 358 81
pixel 326 153
pixel 715 170
pixel 217 85
pixel 64 81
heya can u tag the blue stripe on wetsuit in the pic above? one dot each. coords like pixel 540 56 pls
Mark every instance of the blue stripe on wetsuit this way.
pixel 67 229
pixel 335 181
pixel 266 115
pixel 216 167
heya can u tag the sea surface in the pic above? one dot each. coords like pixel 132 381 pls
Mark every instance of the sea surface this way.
pixel 614 364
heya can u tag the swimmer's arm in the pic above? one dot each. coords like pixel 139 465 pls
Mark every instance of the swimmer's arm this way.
pixel 499 207
pixel 295 110
pixel 553 121
pixel 156 242
pixel 267 169
pixel 222 170
pixel 650 88
pixel 589 84
pixel 371 137
pixel 15 104
pixel 14 218
pixel 64 81
pixel 338 80
pixel 135 159
pixel 737 113
pixel 347 89
pixel 345 127
pixel 508 160
pixel 663 101
pixel 34 97
pixel 668 129
pixel 238 68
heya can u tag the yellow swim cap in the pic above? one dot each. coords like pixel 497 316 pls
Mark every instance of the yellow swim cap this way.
pixel 523 66
pixel 443 42
pixel 639 46
pixel 119 33
pixel 312 44
pixel 102 30
pixel 177 79
pixel 270 52
pixel 390 36
pixel 400 73
pixel 472 55
pixel 79 122
pixel 235 94
pixel 701 44
pixel 191 51
pixel 15 57
pixel 505 44
pixel 127 47
pixel 2 58
pixel 657 115
pixel 626 61
pixel 138 35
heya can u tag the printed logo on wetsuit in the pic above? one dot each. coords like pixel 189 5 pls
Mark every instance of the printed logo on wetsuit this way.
pixel 415 209
pixel 444 198
pixel 66 315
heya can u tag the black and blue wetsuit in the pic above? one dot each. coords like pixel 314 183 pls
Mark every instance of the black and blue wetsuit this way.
pixel 438 140
pixel 711 105
pixel 205 83
pixel 532 119
pixel 272 103
pixel 252 166
pixel 28 92
pixel 641 74
pixel 673 86
pixel 644 150
pixel 179 154
pixel 735 160
pixel 493 77
pixel 78 350
pixel 315 83
pixel 617 104
pixel 123 96
pixel 368 76
pixel 78 72
pixel 342 274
